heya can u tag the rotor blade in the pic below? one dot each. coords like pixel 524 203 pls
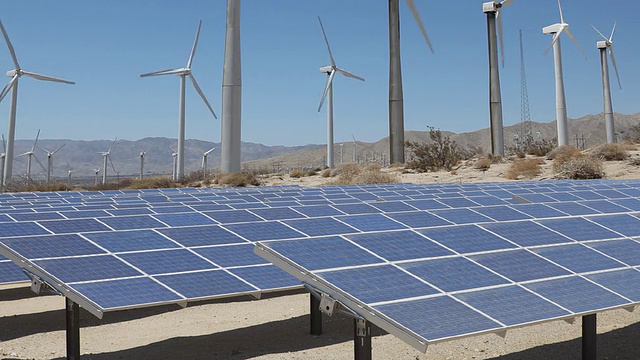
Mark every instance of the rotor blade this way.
pixel 165 72
pixel 326 88
pixel 612 32
pixel 575 41
pixel 348 74
pixel 326 41
pixel 506 3
pixel 112 166
pixel 561 16
pixel 8 87
pixel 111 147
pixel 598 31
pixel 556 36
pixel 39 163
pixel 209 151
pixel 615 66
pixel 195 44
pixel 10 46
pixel 35 142
pixel 500 37
pixel 47 78
pixel 56 150
pixel 416 15
pixel 204 98
pixel 4 146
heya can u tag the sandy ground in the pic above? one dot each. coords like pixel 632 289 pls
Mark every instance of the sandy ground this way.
pixel 277 326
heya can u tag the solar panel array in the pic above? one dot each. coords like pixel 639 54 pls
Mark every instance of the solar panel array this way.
pixel 123 249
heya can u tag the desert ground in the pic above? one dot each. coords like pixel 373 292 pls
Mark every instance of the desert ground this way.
pixel 277 326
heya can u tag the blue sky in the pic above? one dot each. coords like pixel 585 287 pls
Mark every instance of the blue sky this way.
pixel 104 46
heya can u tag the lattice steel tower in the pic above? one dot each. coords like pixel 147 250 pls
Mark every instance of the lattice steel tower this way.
pixel 525 117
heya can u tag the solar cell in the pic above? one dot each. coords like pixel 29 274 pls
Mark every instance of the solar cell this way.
pixel 21 229
pixel 184 219
pixel 267 230
pixel 399 245
pixel 579 229
pixel 166 261
pixel 36 216
pixel 466 239
pixel 577 258
pixel 134 211
pixel 526 233
pixel 519 265
pixel 231 216
pixel 538 211
pixel 76 269
pixel 124 293
pixel 418 219
pixel 461 216
pixel 52 246
pixel 73 225
pixel 392 206
pixel 458 202
pixel 266 277
pixel 133 240
pixel 624 282
pixel 623 224
pixel 11 273
pixel 573 208
pixel 231 256
pixel 501 213
pixel 201 235
pixel 79 214
pixel 371 222
pixel 208 283
pixel 134 222
pixel 604 206
pixel 277 213
pixel 627 251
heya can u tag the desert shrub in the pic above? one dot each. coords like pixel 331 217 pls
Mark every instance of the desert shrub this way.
pixel 541 147
pixel 35 187
pixel 192 177
pixel 440 153
pixel 326 173
pixel 312 172
pixel 523 169
pixel 346 171
pixel 578 167
pixel 610 152
pixel 396 165
pixel 372 167
pixel 483 163
pixel 374 177
pixel 563 150
pixel 151 183
pixel 634 162
pixel 236 179
pixel 297 173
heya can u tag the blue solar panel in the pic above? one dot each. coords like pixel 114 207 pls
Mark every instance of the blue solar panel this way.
pixel 52 246
pixel 266 277
pixel 352 209
pixel 132 222
pixel 37 216
pixel 171 209
pixel 402 245
pixel 627 251
pixel 268 230
pixel 210 207
pixel 201 236
pixel 573 208
pixel 563 196
pixel 232 255
pixel 458 202
pixel 205 284
pixel 134 240
pixel 487 200
pixel 604 206
pixel 538 211
pixel 11 273
pixel 320 226
pixel 73 225
pixel 277 213
pixel 166 261
pixel 426 204
pixel 526 233
pixel 579 229
pixel 519 265
pixel 392 206
pixel 125 292
pixel 461 216
pixel 623 282
pixel 371 222
pixel 184 219
pixel 501 213
pixel 231 216
pixel 466 239
pixel 21 229
pixel 577 258
pixel 76 269
pixel 418 219
pixel 79 214
pixel 624 224
pixel 588 195
pixel 135 211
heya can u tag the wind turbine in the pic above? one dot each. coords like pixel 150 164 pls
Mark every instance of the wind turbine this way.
pixel 50 161
pixel 396 111
pixel 15 75
pixel 143 153
pixel 493 11
pixel 328 94
pixel 69 172
pixel 355 153
pixel 174 166
pixel 204 162
pixel 230 131
pixel 31 154
pixel 183 73
pixel 606 88
pixel 106 157
pixel 2 162
pixel 96 170
pixel 561 105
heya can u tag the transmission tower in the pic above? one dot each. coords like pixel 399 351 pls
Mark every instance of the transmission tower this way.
pixel 525 122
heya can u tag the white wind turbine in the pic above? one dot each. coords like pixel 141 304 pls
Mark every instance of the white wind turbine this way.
pixel 183 73
pixel 204 162
pixel 143 154
pixel 607 43
pixel 493 11
pixel 2 162
pixel 328 94
pixel 106 158
pixel 174 166
pixel 561 105
pixel 50 161
pixel 30 155
pixel 15 75
pixel 96 170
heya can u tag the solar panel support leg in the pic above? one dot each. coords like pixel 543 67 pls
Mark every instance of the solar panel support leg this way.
pixel 315 316
pixel 589 332
pixel 72 311
pixel 362 339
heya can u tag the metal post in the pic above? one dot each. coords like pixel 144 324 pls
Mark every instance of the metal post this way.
pixel 495 97
pixel 361 339
pixel 330 126
pixel 141 165
pixel 589 345
pixel 396 111
pixel 606 94
pixel 315 316
pixel 181 130
pixel 104 174
pixel 231 92
pixel 49 167
pixel 73 329
pixel 561 104
pixel 8 166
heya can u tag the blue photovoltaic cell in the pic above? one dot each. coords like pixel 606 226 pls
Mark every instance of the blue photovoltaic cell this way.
pixel 487 200
pixel 630 192
pixel 526 233
pixel 202 235
pixel 371 222
pixel 399 245
pixel 458 202
pixel 538 211
pixel 579 229
pixel 418 219
pixel 134 240
pixel 624 224
pixel 277 213
pixel 453 274
pixel 135 211
pixel 232 216
pixel 461 216
pixel 519 265
pixel 10 273
pixel 231 255
pixel 52 246
pixel 563 196
pixel 352 209
pixel 87 268
pixel 205 283
pixel 166 261
pixel 184 219
pixel 536 198
pixel 573 208
pixel 576 294
pixel 4 217
pixel 251 205
pixel 466 239
pixel 132 222
pixel 624 282
pixel 512 305
pixel 21 229
pixel 73 226
pixel 611 194
pixel 392 206
pixel 577 258
pixel 210 207
pixel 37 216
pixel 588 195
pixel 266 277
pixel 627 251
pixel 171 209
pixel 604 206
pixel 427 204
pixel 501 213
pixel 317 210
pixel 452 317
pixel 266 230
pixel 125 292
pixel 633 204
pixel 324 253
pixel 321 226
pixel 378 283
pixel 79 214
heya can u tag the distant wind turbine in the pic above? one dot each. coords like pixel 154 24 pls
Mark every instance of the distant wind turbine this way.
pixel 328 94
pixel 15 75
pixel 2 162
pixel 607 43
pixel 204 162
pixel 50 161
pixel 355 152
pixel 96 170
pixel 183 73
pixel 143 153
pixel 174 166
pixel 30 155
pixel 106 157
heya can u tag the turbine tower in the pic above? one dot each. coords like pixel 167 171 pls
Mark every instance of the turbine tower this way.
pixel 174 166
pixel 231 92
pixel 561 105
pixel 204 162
pixel 606 86
pixel 396 111
pixel 525 113
pixel 183 73
pixel 106 158
pixel 50 161
pixel 493 11
pixel 142 155
pixel 15 75
pixel 3 156
pixel 96 170
pixel 31 154
pixel 328 94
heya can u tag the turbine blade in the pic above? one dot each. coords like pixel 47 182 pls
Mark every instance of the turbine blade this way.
pixel 333 62
pixel 598 31
pixel 166 72
pixel 195 44
pixel 615 66
pixel 326 89
pixel 112 166
pixel 35 142
pixel 8 87
pixel 506 2
pixel 204 98
pixel 612 32
pixel 56 150
pixel 208 151
pixel 39 163
pixel 47 78
pixel 561 16
pixel 575 41
pixel 500 37
pixel 111 147
pixel 4 146
pixel 10 46
pixel 556 36
pixel 348 74
pixel 416 15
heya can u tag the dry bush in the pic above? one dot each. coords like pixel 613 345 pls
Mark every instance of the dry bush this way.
pixel 396 165
pixel 297 173
pixel 482 163
pixel 439 153
pixel 346 171
pixel 192 177
pixel 374 177
pixel 18 187
pixel 578 167
pixel 372 167
pixel 610 152
pixel 151 183
pixel 312 172
pixel 236 179
pixel 326 173
pixel 563 150
pixel 524 169
pixel 541 147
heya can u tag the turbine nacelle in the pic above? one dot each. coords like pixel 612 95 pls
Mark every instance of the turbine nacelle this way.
pixel 326 69
pixel 603 44
pixel 13 72
pixel 553 29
